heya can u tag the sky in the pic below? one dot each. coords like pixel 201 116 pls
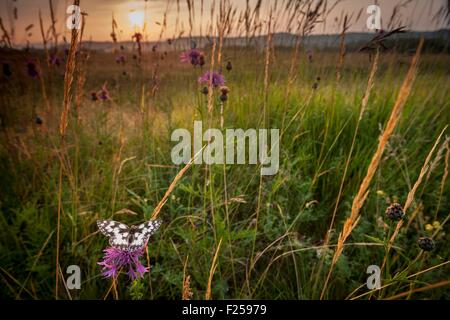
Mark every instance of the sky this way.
pixel 132 15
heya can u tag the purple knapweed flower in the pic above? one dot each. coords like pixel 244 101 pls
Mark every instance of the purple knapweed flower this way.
pixel 54 60
pixel 32 69
pixel 194 56
pixel 115 260
pixel 120 59
pixel 103 93
pixel 215 77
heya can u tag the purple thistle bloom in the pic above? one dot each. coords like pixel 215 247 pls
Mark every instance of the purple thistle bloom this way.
pixel 54 60
pixel 115 260
pixel 194 56
pixel 120 59
pixel 104 93
pixel 215 77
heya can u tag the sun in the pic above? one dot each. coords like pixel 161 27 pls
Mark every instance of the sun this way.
pixel 136 18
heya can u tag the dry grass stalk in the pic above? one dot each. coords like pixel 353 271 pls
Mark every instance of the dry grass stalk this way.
pixel 68 80
pixel 53 25
pixel 424 288
pixel 81 72
pixel 363 192
pixel 186 293
pixel 364 102
pixel 44 38
pixel 345 26
pixel 6 39
pixel 212 271
pixel 174 183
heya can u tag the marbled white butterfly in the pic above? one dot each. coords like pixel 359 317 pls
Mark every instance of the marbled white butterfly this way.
pixel 128 238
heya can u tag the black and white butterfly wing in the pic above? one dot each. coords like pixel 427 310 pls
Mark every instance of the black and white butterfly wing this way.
pixel 140 234
pixel 118 233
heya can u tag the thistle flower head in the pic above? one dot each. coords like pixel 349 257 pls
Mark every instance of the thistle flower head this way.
pixel 395 212
pixel 54 60
pixel 229 66
pixel 205 90
pixel 115 260
pixel 94 96
pixel 104 93
pixel 194 56
pixel 225 90
pixel 120 59
pixel 426 243
pixel 216 78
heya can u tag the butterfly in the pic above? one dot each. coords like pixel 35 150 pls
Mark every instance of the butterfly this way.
pixel 128 238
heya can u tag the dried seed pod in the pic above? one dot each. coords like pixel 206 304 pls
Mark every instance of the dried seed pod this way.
pixel 395 212
pixel 426 243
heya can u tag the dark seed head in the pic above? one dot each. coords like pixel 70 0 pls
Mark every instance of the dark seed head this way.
pixel 315 85
pixel 7 70
pixel 201 61
pixel 229 66
pixel 225 90
pixel 395 212
pixel 426 243
pixel 223 97
pixel 94 96
pixel 205 90
pixel 38 120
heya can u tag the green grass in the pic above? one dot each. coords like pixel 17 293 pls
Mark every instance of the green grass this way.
pixel 296 204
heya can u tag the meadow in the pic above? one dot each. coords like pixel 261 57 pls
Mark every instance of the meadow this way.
pixel 91 140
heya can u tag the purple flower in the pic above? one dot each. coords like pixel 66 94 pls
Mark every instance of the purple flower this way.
pixel 120 59
pixel 115 260
pixel 194 56
pixel 32 69
pixel 104 93
pixel 216 78
pixel 54 60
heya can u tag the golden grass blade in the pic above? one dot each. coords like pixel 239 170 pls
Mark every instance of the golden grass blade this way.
pixel 212 271
pixel 363 192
